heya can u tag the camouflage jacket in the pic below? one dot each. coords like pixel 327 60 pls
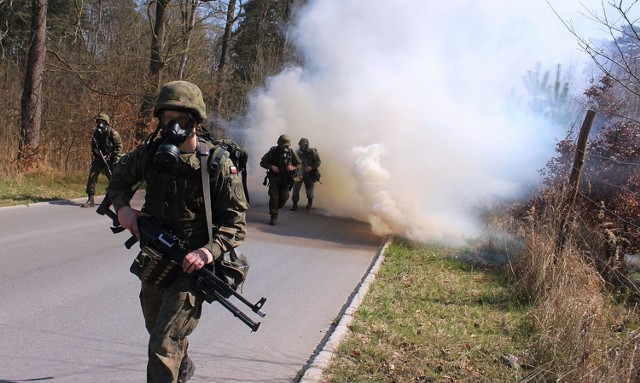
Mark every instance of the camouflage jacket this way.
pixel 281 157
pixel 109 143
pixel 309 157
pixel 176 198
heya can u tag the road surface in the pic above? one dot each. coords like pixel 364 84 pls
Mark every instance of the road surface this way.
pixel 70 313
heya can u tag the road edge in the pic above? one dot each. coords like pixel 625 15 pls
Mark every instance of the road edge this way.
pixel 314 372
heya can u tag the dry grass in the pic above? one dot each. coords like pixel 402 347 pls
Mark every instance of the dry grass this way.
pixel 44 184
pixel 428 319
pixel 583 335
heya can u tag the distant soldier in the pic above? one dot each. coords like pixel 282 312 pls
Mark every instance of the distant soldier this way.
pixel 106 149
pixel 310 174
pixel 283 170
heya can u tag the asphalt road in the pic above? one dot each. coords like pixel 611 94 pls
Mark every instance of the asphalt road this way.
pixel 70 313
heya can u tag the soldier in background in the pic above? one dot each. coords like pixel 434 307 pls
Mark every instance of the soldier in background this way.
pixel 283 170
pixel 106 149
pixel 310 174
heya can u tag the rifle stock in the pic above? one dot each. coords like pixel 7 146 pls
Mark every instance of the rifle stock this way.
pixel 210 285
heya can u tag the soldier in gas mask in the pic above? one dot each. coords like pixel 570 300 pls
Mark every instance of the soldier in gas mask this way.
pixel 310 173
pixel 169 162
pixel 106 149
pixel 283 170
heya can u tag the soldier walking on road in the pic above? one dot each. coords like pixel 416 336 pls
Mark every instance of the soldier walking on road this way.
pixel 283 170
pixel 175 197
pixel 106 149
pixel 310 174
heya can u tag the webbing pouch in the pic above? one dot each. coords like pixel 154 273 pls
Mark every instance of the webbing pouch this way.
pixel 151 267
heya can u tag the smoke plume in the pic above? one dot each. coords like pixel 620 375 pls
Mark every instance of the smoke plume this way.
pixel 406 102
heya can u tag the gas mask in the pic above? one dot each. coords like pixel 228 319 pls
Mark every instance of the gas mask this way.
pixel 285 155
pixel 173 135
pixel 101 126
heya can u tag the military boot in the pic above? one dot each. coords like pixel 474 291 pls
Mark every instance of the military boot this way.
pixel 187 368
pixel 273 219
pixel 309 203
pixel 295 206
pixel 90 202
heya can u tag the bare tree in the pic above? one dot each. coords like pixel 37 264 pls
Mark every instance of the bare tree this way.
pixel 31 104
pixel 619 57
pixel 230 20
pixel 156 64
pixel 186 37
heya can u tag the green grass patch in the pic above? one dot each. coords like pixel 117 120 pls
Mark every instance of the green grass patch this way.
pixel 431 318
pixel 46 186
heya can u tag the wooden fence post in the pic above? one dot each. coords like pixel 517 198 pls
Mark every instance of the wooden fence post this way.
pixel 574 177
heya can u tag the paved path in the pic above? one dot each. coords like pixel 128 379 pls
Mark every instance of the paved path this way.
pixel 70 309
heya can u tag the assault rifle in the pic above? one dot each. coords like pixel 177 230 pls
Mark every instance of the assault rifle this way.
pixel 210 285
pixel 104 160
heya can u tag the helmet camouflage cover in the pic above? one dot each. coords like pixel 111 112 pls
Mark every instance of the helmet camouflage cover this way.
pixel 284 139
pixel 181 95
pixel 304 141
pixel 104 117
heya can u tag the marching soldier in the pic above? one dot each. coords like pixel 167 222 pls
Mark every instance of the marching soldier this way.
pixel 106 149
pixel 310 174
pixel 175 196
pixel 283 170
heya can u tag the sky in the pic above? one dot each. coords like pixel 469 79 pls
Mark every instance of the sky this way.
pixel 407 106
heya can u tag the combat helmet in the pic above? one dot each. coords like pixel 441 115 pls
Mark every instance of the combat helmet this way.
pixel 284 139
pixel 181 95
pixel 304 141
pixel 104 117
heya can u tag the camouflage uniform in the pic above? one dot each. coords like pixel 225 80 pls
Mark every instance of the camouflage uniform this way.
pixel 175 197
pixel 280 183
pixel 106 140
pixel 310 159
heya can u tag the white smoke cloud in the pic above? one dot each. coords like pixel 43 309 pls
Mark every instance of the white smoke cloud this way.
pixel 406 103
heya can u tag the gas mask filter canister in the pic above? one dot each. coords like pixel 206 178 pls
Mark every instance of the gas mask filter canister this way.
pixel 173 136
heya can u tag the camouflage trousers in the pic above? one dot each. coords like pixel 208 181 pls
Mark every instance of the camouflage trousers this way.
pixel 308 187
pixel 97 167
pixel 278 196
pixel 170 315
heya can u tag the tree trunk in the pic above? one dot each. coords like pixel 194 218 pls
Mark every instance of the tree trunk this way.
pixel 286 44
pixel 31 103
pixel 157 42
pixel 155 67
pixel 187 38
pixel 217 101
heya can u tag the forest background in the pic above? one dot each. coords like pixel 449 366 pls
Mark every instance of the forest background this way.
pixel 63 61
pixel 80 58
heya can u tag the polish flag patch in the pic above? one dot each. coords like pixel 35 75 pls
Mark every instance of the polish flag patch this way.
pixel 233 170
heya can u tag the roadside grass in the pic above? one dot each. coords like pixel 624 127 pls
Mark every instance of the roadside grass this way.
pixel 431 318
pixel 45 185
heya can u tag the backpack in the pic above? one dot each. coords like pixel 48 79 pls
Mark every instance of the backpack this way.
pixel 238 154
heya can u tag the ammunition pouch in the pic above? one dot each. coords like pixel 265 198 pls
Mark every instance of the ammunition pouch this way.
pixel 152 267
